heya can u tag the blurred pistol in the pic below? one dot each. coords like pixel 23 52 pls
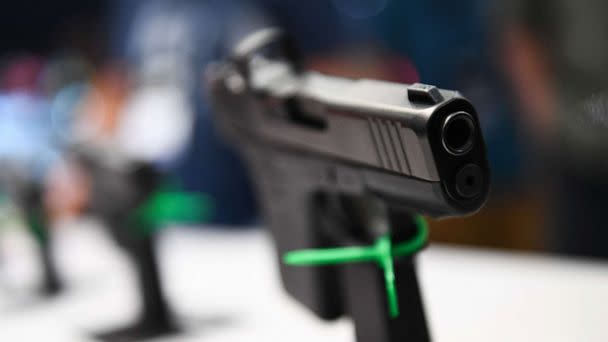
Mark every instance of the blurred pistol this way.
pixel 339 162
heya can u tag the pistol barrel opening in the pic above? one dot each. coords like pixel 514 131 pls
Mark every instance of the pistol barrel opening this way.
pixel 458 134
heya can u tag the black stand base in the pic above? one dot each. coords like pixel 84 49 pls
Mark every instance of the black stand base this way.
pixel 51 285
pixel 365 295
pixel 30 200
pixel 156 318
pixel 50 289
pixel 142 330
pixel 367 305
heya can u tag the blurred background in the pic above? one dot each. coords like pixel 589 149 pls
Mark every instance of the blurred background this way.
pixel 534 70
pixel 125 77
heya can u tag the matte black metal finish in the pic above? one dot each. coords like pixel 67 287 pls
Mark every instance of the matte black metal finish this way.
pixel 370 125
pixel 321 148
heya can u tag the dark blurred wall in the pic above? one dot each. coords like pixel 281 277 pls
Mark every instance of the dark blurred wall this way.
pixel 556 54
pixel 41 27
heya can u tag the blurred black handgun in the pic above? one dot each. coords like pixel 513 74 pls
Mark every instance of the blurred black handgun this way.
pixel 340 162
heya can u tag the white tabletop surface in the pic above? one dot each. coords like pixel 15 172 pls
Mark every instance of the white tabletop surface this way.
pixel 224 287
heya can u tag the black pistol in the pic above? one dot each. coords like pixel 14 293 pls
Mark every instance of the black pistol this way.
pixel 341 162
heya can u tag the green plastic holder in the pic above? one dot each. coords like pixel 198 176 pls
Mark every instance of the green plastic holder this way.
pixel 165 207
pixel 381 252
